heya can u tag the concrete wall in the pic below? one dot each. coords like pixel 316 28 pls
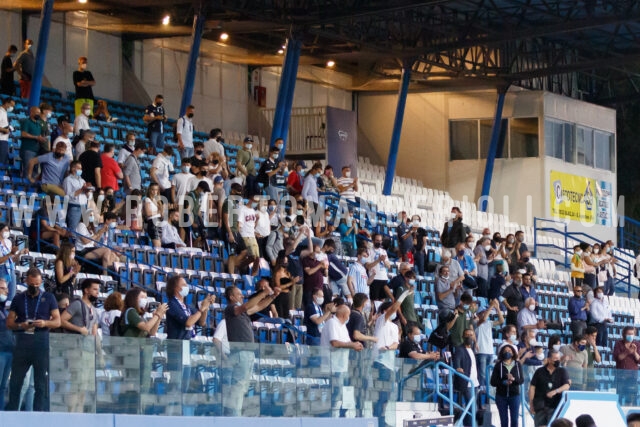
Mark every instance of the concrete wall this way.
pixel 424 146
pixel 67 43
pixel 10 30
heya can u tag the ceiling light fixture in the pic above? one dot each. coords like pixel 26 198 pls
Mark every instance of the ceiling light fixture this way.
pixel 331 64
pixel 224 37
pixel 280 51
pixel 82 1
pixel 166 20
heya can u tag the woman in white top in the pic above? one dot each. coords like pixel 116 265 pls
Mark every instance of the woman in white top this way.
pixel 153 209
pixel 113 306
pixel 86 246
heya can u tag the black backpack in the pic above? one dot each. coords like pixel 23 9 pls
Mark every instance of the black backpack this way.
pixel 439 338
pixel 119 325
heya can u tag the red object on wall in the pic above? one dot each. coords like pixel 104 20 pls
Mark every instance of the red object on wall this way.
pixel 260 96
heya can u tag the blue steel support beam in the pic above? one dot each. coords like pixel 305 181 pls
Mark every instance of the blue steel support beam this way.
pixel 397 129
pixel 41 52
pixel 190 77
pixel 493 149
pixel 284 103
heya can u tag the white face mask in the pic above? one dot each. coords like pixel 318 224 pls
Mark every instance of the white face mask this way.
pixel 248 146
pixel 142 303
pixel 486 248
pixel 347 174
pixel 532 307
pixel 6 234
pixel 540 356
pixel 184 291
pixel 318 300
pixel 3 298
pixel 10 109
pixel 453 215
pixel 417 338
pixel 86 112
pixel 556 347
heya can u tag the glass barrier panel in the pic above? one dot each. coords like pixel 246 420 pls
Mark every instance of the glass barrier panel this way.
pixel 72 367
pixel 240 383
pixel 201 379
pixel 122 365
pixel 277 370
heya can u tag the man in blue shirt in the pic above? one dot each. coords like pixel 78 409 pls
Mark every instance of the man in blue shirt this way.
pixel 578 307
pixel 54 167
pixel 32 314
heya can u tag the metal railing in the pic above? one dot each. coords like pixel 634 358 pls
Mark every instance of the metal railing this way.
pixel 624 268
pixel 306 129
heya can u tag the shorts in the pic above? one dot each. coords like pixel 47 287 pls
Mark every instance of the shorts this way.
pixel 376 290
pixel 153 231
pixel 252 246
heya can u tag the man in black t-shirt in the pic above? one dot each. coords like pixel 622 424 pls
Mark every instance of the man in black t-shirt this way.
pixel 547 385
pixel 7 85
pixel 83 81
pixel 155 117
pixel 271 174
pixel 357 325
pixel 92 164
pixel 410 346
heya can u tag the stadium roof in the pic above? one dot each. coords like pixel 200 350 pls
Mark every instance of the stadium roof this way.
pixel 587 49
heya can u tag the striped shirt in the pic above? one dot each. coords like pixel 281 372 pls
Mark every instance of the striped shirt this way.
pixel 348 194
pixel 358 275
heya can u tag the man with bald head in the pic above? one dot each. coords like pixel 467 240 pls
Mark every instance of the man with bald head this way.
pixel 32 135
pixel 336 336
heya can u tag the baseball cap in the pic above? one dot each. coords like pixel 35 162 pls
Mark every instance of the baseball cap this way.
pixel 302 163
pixel 218 179
pixel 248 139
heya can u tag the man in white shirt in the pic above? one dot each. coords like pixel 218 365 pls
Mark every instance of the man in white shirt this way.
pixel 184 133
pixel 182 183
pixel 214 144
pixel 5 129
pixel 76 189
pixel 336 336
pixel 170 235
pixel 247 218
pixel 127 148
pixel 161 169
pixel 600 316
pixel 310 187
pixel 384 373
pixel 66 132
pixel 82 120
pixel 378 261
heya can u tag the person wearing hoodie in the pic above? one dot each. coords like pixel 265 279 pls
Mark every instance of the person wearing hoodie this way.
pixel 507 377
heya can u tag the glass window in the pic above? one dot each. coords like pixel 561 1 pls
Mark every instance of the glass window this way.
pixel 486 127
pixel 524 138
pixel 603 142
pixel 569 142
pixel 584 146
pixel 553 139
pixel 463 139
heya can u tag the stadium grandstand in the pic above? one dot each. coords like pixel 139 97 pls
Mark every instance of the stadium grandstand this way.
pixel 365 213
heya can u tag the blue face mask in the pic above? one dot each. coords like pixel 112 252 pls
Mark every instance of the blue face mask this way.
pixel 581 347
pixel 507 356
pixel 79 172
pixel 628 338
pixel 465 307
pixel 412 282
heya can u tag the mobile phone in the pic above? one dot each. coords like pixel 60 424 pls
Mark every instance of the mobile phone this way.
pixel 30 322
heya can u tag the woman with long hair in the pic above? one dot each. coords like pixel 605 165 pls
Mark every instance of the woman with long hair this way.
pixel 153 210
pixel 135 304
pixel 507 377
pixel 282 279
pixel 181 318
pixel 113 306
pixel 66 269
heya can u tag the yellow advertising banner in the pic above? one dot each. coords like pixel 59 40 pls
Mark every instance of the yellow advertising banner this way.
pixel 573 197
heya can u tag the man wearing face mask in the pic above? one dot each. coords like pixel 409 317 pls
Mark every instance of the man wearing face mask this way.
pixel 484 332
pixel 378 261
pixel 316 267
pixel 310 187
pixel 465 318
pixel 360 319
pixel 54 167
pixel 81 317
pixel 527 317
pixel 347 186
pixel 625 352
pixel 83 81
pixel 387 333
pixel 5 128
pixel 63 132
pixel 81 123
pixel 410 347
pixel 161 169
pixel 32 314
pixel 24 65
pixel 214 144
pixel 184 133
pixel 271 174
pixel 7 85
pixel 524 263
pixel 76 189
pixel 182 183
pixel 464 361
pixel 131 169
pixel 31 134
pixel 155 118
pixel 127 148
pixel 170 234
pixel 295 179
pixel 246 166
pixel 448 290
pixel 513 299
pixel 453 231
pixel 576 360
pixel 546 389
pixel 578 307
pixel 405 281
pixel 110 172
pixel 600 316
